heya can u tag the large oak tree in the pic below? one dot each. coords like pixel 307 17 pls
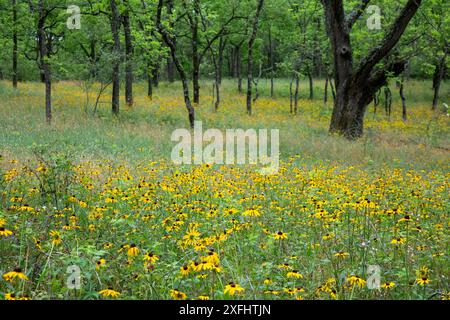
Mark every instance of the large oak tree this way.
pixel 356 86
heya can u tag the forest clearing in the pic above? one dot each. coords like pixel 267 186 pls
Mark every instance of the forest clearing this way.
pixel 103 194
pixel 224 150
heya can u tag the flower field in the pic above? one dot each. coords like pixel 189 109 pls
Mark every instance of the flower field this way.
pixel 156 232
pixel 93 208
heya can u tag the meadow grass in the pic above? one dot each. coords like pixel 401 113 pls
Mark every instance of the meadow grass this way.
pixel 100 193
pixel 144 131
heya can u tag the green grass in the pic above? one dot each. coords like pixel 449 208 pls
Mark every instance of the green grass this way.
pixel 144 131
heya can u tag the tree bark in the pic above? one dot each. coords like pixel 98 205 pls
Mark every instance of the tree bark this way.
pixel 272 63
pixel 194 25
pixel 128 56
pixel 170 70
pixel 402 96
pixel 155 75
pixel 387 101
pixel 333 91
pixel 169 41
pixel 297 85
pixel 14 54
pixel 43 61
pixel 222 44
pixel 251 44
pixel 311 86
pixel 149 80
pixel 291 97
pixel 115 28
pixel 437 78
pixel 238 68
pixel 355 89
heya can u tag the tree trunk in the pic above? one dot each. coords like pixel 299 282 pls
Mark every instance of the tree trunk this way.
pixel 170 70
pixel 355 89
pixel 14 56
pixel 93 59
pixel 387 101
pixel 272 63
pixel 169 41
pixel 222 44
pixel 115 26
pixel 297 85
pixel 311 86
pixel 437 78
pixel 239 69
pixel 325 94
pixel 149 86
pixel 149 81
pixel 251 44
pixel 291 97
pixel 128 56
pixel 155 75
pixel 217 87
pixel 43 61
pixel 195 54
pixel 333 91
pixel 402 96
pixel 376 101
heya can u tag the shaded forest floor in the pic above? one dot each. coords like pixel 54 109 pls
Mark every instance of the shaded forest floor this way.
pixel 100 193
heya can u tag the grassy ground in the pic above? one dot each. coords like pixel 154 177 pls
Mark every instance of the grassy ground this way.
pixel 145 130
pixel 101 193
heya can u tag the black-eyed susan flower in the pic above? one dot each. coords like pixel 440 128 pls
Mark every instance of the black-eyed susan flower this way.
pixel 10 296
pixel 203 297
pixel 211 257
pixel 151 257
pixel 133 250
pixel 16 273
pixel 123 247
pixel 355 280
pixel 294 274
pixel 196 266
pixel 251 213
pixel 108 245
pixel 38 243
pixel 289 291
pixel 5 232
pixel 185 270
pixel 328 236
pixel 280 235
pixel 56 237
pixel 178 295
pixel 388 285
pixel 341 254
pixel 100 263
pixel 421 281
pixel 406 218
pixel 109 293
pixel 398 241
pixel 274 292
pixel 233 288
pixel 299 289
